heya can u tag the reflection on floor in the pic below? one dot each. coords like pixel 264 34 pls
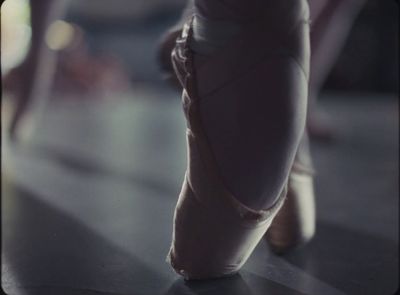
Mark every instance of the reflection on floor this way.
pixel 87 205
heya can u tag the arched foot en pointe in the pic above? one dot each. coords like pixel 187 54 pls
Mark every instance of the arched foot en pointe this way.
pixel 214 231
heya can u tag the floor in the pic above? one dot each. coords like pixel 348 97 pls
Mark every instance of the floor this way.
pixel 87 204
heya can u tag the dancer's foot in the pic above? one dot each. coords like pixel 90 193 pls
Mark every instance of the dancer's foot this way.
pixel 295 223
pixel 300 183
pixel 214 233
pixel 245 107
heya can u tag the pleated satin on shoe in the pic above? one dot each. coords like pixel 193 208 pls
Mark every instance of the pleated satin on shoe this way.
pixel 214 233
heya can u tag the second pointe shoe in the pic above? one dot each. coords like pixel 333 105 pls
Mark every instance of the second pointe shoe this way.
pixel 294 224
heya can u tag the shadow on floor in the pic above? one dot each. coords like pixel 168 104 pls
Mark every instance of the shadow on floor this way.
pixel 245 284
pixel 45 250
pixel 348 260
pixel 86 166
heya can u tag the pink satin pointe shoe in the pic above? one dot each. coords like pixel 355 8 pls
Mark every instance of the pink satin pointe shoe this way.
pixel 213 232
pixel 295 223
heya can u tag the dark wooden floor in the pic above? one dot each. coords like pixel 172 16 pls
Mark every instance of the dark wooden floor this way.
pixel 87 205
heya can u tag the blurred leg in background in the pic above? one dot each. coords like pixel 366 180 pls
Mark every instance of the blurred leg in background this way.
pixel 331 24
pixel 33 78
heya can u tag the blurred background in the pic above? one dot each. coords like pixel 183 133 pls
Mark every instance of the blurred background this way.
pixel 130 30
pixel 99 153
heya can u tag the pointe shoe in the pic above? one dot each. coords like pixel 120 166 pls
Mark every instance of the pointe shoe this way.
pixel 214 233
pixel 294 224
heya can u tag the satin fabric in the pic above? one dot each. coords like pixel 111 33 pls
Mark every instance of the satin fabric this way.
pixel 213 233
